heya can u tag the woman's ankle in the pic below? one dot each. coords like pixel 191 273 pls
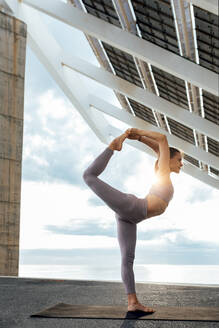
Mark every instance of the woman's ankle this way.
pixel 111 147
pixel 132 299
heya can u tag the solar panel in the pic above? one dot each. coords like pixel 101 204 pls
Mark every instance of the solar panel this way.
pixel 211 106
pixel 181 131
pixel 214 171
pixel 102 9
pixel 156 23
pixel 213 146
pixel 142 112
pixel 123 64
pixel 191 160
pixel 171 87
pixel 207 30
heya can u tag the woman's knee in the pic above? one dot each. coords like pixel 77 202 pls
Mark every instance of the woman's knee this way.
pixel 128 258
pixel 86 174
pixel 88 177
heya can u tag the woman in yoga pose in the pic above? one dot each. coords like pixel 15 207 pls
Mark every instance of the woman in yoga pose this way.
pixel 129 209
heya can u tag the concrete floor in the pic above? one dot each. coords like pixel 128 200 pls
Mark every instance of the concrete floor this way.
pixel 21 297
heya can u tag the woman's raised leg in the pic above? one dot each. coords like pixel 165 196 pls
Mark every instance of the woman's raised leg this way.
pixel 118 201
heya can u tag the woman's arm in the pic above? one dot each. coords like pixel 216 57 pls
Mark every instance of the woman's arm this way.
pixel 150 134
pixel 163 147
pixel 150 142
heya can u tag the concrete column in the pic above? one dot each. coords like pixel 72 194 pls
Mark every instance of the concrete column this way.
pixel 12 70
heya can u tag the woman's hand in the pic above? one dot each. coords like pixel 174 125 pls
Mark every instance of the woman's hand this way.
pixel 131 134
pixel 134 136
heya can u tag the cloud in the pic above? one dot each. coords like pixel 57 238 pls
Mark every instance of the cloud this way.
pixel 97 228
pixel 95 201
pixel 170 254
pixel 52 138
pixel 199 195
pixel 164 246
pixel 70 256
pixel 83 227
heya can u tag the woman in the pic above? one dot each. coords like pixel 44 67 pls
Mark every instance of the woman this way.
pixel 129 209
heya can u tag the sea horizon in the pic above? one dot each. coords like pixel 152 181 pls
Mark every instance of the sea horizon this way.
pixel 144 273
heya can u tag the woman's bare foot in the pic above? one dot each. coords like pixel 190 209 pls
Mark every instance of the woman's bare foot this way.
pixel 139 306
pixel 116 144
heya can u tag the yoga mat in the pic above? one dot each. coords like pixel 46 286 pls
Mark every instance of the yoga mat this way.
pixel 62 310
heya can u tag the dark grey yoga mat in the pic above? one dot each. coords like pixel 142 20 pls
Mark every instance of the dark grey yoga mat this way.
pixel 62 310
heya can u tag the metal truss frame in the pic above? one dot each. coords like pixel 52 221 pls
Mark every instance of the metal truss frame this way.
pixel 142 96
pixel 62 68
pixel 126 117
pixel 132 44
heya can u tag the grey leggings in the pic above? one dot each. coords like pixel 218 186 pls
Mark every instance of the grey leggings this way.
pixel 129 210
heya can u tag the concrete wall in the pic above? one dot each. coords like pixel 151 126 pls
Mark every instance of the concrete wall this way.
pixel 12 70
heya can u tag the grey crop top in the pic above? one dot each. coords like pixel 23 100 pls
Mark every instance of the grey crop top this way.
pixel 164 191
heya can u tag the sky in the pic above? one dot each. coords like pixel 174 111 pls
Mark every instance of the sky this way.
pixel 62 220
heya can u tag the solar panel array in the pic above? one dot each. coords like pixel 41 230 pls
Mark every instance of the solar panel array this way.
pixel 155 23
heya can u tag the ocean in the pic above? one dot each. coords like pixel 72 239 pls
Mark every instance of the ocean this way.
pixel 184 274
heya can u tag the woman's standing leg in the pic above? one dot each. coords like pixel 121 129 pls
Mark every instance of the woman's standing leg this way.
pixel 126 233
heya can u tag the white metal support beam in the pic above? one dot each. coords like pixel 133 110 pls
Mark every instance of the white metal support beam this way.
pixel 135 121
pixel 11 6
pixel 142 96
pixel 125 41
pixel 187 168
pixel 209 5
pixel 49 53
pixel 4 5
